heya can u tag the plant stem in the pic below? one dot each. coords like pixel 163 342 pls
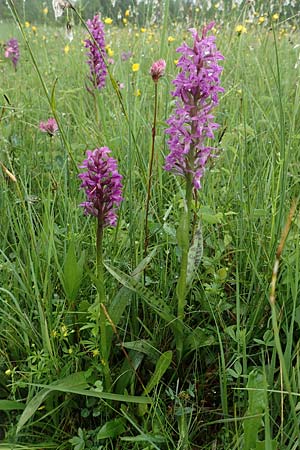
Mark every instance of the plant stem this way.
pixel 150 171
pixel 102 300
pixel 183 236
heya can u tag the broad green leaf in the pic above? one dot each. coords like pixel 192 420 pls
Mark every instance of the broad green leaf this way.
pixel 121 300
pixel 111 429
pixel 74 384
pixel 10 405
pixel 75 380
pixel 158 305
pixel 144 347
pixel 161 366
pixel 195 254
pixel 73 272
pixel 127 371
pixel 257 404
pixel 198 338
pixel 209 216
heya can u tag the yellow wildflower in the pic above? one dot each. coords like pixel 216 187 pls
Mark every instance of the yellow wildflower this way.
pixel 64 330
pixel 171 39
pixel 137 93
pixel 108 21
pixel 27 24
pixel 110 52
pixel 240 29
pixel 217 5
pixel 176 61
pixel 143 30
pixel 127 13
pixel 45 11
pixel 125 20
pixel 135 67
pixel 8 372
pixel 34 28
pixel 275 16
pixel 66 49
pixel 261 19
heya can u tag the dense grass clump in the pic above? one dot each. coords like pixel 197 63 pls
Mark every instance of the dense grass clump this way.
pixel 95 352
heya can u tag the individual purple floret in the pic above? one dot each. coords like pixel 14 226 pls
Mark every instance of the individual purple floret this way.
pixel 96 52
pixel 102 185
pixel 196 91
pixel 12 51
pixel 50 127
pixel 126 55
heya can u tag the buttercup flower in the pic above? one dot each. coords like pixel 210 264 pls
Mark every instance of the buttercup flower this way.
pixel 240 29
pixel 12 51
pixel 158 69
pixel 50 127
pixel 102 185
pixel 196 91
pixel 96 52
pixel 135 67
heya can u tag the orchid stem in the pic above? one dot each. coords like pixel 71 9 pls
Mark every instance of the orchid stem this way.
pixel 102 300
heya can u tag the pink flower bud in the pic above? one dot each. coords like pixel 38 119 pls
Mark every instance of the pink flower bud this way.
pixel 158 70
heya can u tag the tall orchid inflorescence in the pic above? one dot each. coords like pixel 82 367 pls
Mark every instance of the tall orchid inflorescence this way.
pixel 196 89
pixel 102 185
pixel 12 51
pixel 96 52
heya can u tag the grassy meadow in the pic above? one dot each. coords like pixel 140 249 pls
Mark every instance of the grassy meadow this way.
pixel 224 376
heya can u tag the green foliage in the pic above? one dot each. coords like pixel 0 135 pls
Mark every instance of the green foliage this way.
pixel 238 373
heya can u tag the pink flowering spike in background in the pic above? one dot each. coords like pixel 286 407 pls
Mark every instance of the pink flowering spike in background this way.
pixel 50 127
pixel 102 185
pixel 196 91
pixel 96 52
pixel 158 69
pixel 12 51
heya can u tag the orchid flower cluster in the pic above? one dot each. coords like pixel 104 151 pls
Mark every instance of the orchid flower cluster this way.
pixel 12 51
pixel 102 185
pixel 96 52
pixel 196 91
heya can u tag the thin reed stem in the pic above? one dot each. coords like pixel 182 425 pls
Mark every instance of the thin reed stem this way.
pixel 150 171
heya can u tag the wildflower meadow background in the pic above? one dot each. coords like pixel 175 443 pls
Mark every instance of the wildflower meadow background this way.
pixel 149 228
